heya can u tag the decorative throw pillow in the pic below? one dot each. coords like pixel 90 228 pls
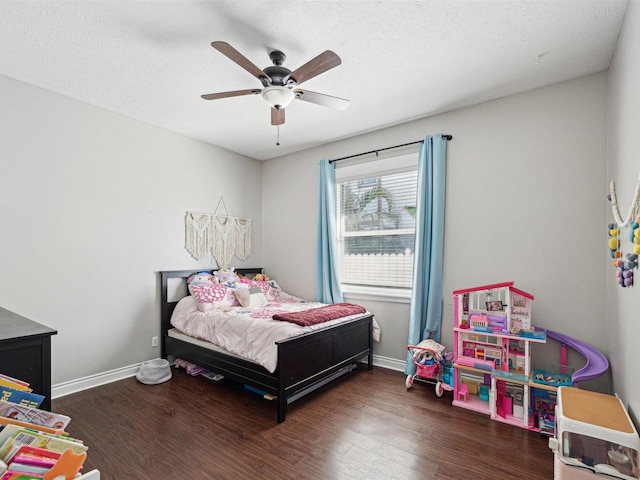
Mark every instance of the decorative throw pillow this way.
pixel 213 295
pixel 251 297
pixel 263 286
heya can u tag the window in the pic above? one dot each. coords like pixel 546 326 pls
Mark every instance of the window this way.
pixel 376 204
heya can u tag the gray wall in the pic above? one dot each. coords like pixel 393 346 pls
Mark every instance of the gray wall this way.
pixel 525 203
pixel 92 205
pixel 622 328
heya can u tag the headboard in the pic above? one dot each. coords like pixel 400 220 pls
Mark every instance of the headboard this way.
pixel 167 307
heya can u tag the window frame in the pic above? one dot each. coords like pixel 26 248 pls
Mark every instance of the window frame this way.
pixel 364 170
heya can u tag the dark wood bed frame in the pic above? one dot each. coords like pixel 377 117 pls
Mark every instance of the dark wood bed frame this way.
pixel 305 362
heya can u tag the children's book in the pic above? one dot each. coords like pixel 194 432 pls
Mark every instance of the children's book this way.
pixel 20 397
pixel 10 475
pixel 13 384
pixel 10 421
pixel 15 436
pixel 7 432
pixel 29 455
pixel 34 416
pixel 15 380
pixel 26 468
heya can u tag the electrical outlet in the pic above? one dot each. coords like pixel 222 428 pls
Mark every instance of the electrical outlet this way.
pixel 154 341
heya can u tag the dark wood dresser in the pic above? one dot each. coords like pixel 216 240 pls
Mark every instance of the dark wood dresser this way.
pixel 25 352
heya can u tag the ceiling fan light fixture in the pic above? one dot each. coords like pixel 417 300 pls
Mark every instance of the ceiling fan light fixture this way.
pixel 277 96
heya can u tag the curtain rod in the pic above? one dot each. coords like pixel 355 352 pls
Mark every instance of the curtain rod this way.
pixel 446 137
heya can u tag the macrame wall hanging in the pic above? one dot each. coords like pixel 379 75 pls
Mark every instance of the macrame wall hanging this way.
pixel 624 249
pixel 221 236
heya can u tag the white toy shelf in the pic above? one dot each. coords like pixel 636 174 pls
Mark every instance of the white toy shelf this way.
pixel 92 475
pixel 595 438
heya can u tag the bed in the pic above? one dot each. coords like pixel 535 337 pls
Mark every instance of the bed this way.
pixel 304 362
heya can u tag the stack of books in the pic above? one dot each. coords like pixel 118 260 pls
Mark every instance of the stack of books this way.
pixel 33 442
pixel 17 391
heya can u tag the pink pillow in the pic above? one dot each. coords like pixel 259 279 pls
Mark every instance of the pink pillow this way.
pixel 214 295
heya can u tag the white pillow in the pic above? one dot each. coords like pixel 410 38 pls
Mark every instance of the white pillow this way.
pixel 250 297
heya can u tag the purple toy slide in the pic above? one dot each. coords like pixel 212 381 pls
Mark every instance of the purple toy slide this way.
pixel 596 365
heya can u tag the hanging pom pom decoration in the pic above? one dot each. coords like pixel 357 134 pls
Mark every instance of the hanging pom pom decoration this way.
pixel 625 264
pixel 631 258
pixel 614 242
pixel 634 236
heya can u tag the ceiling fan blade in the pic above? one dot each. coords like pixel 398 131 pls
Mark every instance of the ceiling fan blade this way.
pixel 277 116
pixel 320 64
pixel 322 99
pixel 237 57
pixel 234 93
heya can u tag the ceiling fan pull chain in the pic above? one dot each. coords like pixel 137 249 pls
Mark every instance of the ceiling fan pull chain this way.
pixel 278 136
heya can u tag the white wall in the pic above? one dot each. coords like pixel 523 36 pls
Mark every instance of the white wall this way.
pixel 623 155
pixel 92 205
pixel 525 203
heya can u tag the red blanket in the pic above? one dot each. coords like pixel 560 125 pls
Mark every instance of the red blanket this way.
pixel 320 314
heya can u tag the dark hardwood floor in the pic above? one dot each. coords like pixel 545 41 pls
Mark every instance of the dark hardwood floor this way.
pixel 365 425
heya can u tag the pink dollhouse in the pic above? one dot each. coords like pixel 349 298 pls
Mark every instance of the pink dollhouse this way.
pixel 492 353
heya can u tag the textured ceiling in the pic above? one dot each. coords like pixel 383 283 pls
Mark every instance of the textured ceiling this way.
pixel 401 60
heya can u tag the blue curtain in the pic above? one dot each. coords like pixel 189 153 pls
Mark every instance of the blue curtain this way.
pixel 426 300
pixel 328 288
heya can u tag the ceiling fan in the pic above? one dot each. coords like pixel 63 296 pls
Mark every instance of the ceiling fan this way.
pixel 280 83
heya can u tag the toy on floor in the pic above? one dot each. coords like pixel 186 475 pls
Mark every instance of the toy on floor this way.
pixel 429 357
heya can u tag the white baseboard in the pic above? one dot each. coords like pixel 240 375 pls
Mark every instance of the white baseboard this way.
pixel 74 386
pixel 389 363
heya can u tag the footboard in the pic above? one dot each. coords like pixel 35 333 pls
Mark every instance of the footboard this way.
pixel 305 360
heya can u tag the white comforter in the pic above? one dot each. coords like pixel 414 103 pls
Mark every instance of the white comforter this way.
pixel 250 333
